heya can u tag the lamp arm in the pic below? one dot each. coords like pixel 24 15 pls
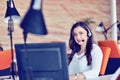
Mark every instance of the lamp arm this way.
pixel 105 30
pixel 111 26
pixel 28 68
pixel 105 34
pixel 37 5
pixel 13 64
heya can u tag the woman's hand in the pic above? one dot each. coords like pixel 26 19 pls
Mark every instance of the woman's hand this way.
pixel 73 77
pixel 79 76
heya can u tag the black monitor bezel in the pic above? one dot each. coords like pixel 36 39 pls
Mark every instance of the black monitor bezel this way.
pixel 60 45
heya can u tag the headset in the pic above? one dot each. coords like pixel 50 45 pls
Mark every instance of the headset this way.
pixel 89 32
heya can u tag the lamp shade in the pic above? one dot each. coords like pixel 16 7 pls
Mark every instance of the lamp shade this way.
pixel 33 21
pixel 11 12
pixel 100 27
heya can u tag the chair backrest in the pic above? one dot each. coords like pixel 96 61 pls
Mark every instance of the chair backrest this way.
pixel 115 51
pixel 106 53
pixel 5 59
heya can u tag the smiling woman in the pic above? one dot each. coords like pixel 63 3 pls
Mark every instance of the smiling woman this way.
pixel 86 57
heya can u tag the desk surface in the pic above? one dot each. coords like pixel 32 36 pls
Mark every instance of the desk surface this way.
pixel 114 76
pixel 106 77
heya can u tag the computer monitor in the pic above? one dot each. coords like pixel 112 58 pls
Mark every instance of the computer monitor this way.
pixel 47 61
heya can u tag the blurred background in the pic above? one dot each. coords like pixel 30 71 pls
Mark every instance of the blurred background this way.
pixel 59 16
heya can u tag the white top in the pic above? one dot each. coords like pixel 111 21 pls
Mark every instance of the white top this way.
pixel 79 63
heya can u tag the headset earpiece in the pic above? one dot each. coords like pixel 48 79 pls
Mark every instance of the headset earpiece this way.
pixel 89 32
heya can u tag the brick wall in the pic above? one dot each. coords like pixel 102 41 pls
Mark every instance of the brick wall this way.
pixel 59 16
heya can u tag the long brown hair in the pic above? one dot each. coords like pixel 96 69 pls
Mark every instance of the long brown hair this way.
pixel 75 47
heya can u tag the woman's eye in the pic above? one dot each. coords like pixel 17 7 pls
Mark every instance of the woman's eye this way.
pixel 80 33
pixel 74 34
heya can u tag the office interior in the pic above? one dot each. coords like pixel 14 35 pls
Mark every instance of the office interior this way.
pixel 59 16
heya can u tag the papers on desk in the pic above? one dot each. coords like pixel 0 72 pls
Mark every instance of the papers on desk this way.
pixel 116 75
pixel 4 77
pixel 106 77
pixel 8 78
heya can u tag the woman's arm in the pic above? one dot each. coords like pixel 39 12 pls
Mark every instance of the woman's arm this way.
pixel 97 56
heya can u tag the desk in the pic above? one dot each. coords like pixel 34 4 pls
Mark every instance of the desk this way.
pixel 106 77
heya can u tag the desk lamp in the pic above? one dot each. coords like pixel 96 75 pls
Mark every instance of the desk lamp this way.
pixel 101 27
pixel 12 16
pixel 33 22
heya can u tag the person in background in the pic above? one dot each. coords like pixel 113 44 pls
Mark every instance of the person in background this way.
pixel 86 57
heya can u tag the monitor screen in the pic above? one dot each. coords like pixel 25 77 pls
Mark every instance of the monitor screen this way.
pixel 42 61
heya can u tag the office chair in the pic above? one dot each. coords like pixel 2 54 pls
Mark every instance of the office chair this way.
pixel 106 54
pixel 115 51
pixel 5 62
pixel 114 58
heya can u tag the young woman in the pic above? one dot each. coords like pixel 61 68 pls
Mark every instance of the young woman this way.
pixel 86 57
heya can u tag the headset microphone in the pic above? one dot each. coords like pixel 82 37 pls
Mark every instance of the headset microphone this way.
pixel 83 40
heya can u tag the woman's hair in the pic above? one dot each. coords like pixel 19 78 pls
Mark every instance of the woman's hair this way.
pixel 1 49
pixel 75 47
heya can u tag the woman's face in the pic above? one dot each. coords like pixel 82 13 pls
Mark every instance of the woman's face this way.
pixel 80 35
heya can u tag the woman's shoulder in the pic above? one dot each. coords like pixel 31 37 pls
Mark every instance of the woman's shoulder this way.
pixel 96 51
pixel 95 45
